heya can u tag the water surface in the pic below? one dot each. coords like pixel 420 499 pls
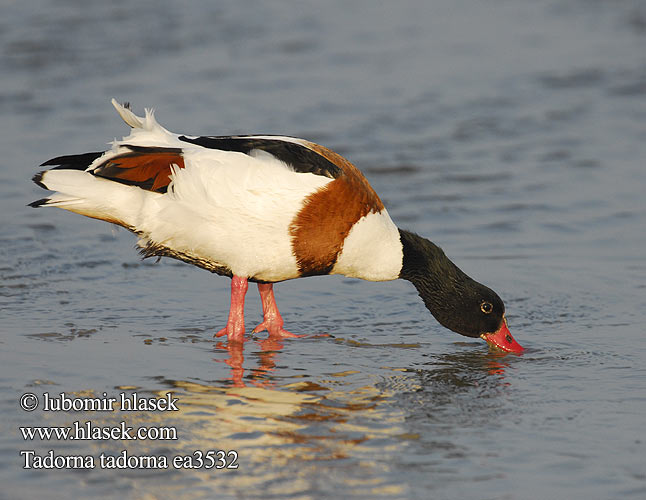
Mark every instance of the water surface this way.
pixel 510 133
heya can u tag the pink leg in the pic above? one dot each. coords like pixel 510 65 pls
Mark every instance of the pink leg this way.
pixel 272 320
pixel 235 325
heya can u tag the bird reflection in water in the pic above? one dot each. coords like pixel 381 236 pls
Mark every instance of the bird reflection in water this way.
pixel 266 361
pixel 446 375
pixel 496 364
pixel 269 348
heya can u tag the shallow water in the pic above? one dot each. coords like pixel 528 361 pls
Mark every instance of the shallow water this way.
pixel 510 133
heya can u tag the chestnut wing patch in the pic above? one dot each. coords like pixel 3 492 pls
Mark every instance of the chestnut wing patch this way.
pixel 146 167
pixel 301 158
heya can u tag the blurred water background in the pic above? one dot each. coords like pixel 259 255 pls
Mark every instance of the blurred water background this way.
pixel 511 133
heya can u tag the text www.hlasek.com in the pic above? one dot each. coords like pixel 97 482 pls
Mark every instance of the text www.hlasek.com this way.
pixel 87 432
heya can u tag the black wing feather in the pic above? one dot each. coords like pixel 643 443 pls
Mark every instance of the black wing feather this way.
pixel 73 162
pixel 300 158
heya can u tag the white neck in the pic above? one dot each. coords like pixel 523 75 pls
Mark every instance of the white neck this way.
pixel 372 250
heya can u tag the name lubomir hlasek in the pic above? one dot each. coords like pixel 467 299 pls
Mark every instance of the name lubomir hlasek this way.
pixel 126 402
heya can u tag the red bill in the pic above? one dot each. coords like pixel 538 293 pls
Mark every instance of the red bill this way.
pixel 502 339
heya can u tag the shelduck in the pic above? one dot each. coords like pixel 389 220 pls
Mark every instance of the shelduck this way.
pixel 265 209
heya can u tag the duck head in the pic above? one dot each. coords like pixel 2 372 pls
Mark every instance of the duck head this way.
pixel 457 301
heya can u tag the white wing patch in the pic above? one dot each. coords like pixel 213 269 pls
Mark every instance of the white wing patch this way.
pixel 233 209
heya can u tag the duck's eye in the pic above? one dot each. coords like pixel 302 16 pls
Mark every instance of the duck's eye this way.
pixel 486 307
